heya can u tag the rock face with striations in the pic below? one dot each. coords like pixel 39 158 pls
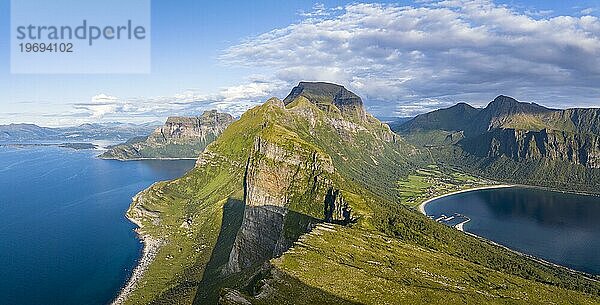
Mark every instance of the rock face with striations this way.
pixel 275 183
pixel 520 131
pixel 270 177
pixel 289 182
pixel 209 124
pixel 577 148
pixel 331 98
pixel 179 137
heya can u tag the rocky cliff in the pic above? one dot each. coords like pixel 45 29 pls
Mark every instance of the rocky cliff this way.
pixel 577 148
pixel 275 191
pixel 179 137
pixel 509 128
pixel 229 228
pixel 281 169
pixel 330 98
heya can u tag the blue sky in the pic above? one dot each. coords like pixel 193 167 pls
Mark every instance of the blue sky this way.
pixel 233 55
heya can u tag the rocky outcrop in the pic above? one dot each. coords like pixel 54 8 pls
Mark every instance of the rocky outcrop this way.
pixel 336 208
pixel 331 98
pixel 179 137
pixel 577 148
pixel 176 129
pixel 281 186
pixel 520 131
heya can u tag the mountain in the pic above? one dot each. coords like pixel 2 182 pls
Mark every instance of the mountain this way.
pixel 30 133
pixel 298 202
pixel 179 137
pixel 508 136
pixel 457 117
pixel 330 98
pixel 505 113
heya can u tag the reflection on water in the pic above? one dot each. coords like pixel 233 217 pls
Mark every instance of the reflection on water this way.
pixel 559 227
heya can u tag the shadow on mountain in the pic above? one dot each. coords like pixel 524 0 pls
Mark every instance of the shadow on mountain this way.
pixel 249 237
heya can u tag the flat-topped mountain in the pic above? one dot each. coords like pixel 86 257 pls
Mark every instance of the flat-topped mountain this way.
pixel 329 97
pixel 298 202
pixel 179 137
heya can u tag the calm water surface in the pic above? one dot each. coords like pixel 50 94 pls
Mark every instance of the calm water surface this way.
pixel 63 235
pixel 558 227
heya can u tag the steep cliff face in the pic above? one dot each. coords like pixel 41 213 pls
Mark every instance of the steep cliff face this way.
pixel 280 169
pixel 208 125
pixel 577 148
pixel 179 137
pixel 279 184
pixel 291 182
pixel 583 120
pixel 520 131
pixel 331 98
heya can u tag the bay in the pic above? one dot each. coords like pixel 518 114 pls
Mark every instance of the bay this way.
pixel 562 228
pixel 64 238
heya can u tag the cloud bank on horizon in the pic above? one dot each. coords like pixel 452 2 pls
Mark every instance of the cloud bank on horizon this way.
pixel 401 59
pixel 234 100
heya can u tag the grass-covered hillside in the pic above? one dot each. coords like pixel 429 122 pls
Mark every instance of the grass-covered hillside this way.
pixel 317 169
pixel 513 142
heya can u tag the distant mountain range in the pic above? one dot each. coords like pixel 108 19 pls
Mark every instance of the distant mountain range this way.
pixel 506 113
pixel 30 133
pixel 179 137
pixel 516 141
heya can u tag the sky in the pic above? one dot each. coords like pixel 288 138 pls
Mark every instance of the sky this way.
pixel 403 58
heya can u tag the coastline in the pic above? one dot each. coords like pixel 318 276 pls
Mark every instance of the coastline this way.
pixel 421 207
pixel 150 247
pixel 460 227
pixel 144 159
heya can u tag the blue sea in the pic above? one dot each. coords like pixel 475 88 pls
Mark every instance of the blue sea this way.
pixel 558 227
pixel 64 238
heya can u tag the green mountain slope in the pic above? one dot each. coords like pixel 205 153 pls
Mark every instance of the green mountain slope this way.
pixel 514 142
pixel 313 167
pixel 179 137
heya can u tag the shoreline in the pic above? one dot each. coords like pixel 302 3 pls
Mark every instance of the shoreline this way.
pixel 150 247
pixel 421 207
pixel 460 227
pixel 146 159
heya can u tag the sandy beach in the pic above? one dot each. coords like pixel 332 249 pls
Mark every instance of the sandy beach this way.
pixel 150 249
pixel 422 205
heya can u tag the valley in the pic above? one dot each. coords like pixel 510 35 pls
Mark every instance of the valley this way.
pixel 313 183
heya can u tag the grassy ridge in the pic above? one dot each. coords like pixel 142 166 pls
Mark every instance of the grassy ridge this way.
pixel 392 254
pixel 367 267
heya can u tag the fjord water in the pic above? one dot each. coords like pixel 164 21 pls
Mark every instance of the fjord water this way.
pixel 558 227
pixel 64 238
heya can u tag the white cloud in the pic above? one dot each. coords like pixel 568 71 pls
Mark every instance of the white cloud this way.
pixel 397 56
pixel 588 11
pixel 233 99
pixel 249 91
pixel 103 98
